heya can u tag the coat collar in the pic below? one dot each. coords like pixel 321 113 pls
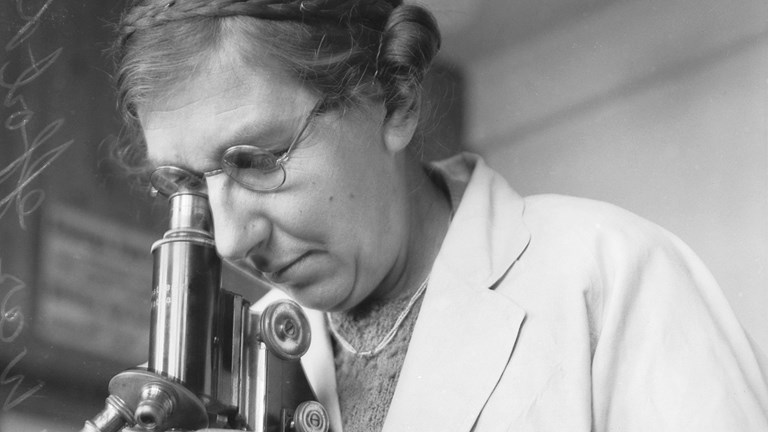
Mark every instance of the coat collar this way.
pixel 487 220
pixel 465 332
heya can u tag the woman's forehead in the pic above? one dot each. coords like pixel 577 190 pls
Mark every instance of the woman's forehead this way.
pixel 221 87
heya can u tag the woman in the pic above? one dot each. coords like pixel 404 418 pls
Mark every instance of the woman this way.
pixel 439 298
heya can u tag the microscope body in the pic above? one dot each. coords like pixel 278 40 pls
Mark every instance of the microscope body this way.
pixel 213 361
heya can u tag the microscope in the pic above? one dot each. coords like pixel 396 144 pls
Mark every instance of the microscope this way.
pixel 214 362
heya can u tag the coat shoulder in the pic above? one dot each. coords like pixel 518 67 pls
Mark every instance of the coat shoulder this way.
pixel 597 229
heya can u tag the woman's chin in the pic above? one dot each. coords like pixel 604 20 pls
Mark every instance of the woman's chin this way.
pixel 311 296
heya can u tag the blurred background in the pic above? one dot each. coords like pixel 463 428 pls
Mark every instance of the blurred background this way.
pixel 659 106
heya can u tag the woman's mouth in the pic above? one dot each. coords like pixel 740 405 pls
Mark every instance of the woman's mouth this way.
pixel 280 274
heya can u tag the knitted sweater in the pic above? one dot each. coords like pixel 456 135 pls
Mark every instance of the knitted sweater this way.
pixel 366 384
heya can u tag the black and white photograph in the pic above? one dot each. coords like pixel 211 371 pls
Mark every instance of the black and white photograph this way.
pixel 384 216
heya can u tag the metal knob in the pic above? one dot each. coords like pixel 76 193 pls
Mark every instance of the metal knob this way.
pixel 285 330
pixel 156 405
pixel 115 416
pixel 310 416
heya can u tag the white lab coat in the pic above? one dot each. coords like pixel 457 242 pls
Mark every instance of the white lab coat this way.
pixel 552 313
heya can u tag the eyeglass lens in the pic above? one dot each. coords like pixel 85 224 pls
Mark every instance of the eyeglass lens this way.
pixel 253 167
pixel 168 180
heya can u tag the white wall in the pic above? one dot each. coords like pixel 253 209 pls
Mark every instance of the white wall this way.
pixel 659 106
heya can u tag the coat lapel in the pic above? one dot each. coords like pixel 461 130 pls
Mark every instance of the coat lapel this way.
pixel 319 368
pixel 466 332
pixel 455 358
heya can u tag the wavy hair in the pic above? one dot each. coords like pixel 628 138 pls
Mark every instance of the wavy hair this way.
pixel 346 50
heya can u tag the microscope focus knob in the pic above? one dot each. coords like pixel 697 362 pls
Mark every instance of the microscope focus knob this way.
pixel 285 330
pixel 310 416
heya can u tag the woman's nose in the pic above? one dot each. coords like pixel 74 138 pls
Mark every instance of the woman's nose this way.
pixel 239 225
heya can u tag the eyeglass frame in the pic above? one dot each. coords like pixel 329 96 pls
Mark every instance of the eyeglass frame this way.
pixel 280 161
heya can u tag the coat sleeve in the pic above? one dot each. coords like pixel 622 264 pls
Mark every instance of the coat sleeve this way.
pixel 670 355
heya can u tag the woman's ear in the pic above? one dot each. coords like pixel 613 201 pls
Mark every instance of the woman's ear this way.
pixel 400 125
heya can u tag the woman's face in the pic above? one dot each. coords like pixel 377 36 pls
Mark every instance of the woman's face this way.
pixel 337 228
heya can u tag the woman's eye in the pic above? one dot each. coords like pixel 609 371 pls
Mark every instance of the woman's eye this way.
pixel 259 161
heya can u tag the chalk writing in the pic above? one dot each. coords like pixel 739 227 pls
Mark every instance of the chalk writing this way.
pixel 11 325
pixel 35 156
pixel 30 163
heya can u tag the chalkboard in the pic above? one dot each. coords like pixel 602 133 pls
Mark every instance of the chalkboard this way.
pixel 74 263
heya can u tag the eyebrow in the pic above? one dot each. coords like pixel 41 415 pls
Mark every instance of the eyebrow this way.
pixel 269 135
pixel 249 132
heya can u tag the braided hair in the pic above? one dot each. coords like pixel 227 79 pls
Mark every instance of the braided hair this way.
pixel 346 50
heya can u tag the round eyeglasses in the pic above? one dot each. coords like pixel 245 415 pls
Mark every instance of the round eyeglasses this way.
pixel 252 167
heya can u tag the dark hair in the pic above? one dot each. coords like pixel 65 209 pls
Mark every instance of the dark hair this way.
pixel 347 50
